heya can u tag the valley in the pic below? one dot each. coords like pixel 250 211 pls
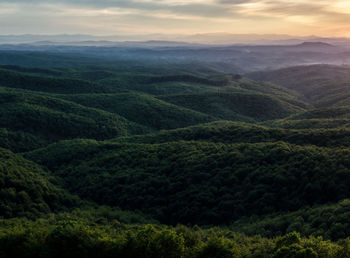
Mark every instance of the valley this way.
pixel 109 156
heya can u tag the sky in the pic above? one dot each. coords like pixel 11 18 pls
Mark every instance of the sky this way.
pixel 175 17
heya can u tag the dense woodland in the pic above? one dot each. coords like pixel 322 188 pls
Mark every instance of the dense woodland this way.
pixel 118 158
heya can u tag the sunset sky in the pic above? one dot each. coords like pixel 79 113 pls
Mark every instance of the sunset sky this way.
pixel 108 17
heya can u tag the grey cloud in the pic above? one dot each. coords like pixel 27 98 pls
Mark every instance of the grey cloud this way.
pixel 160 13
pixel 220 8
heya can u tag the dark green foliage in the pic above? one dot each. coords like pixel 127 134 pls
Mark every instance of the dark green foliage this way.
pixel 338 123
pixel 17 80
pixel 234 132
pixel 87 235
pixel 269 177
pixel 45 59
pixel 32 70
pixel 330 221
pixel 128 82
pixel 68 240
pixel 143 109
pixel 137 83
pixel 71 236
pixel 332 117
pixel 235 106
pixel 18 141
pixel 26 189
pixel 33 117
pixel 323 113
pixel 200 182
pixel 216 248
pixel 289 246
pixel 187 78
pixel 280 92
pixel 322 85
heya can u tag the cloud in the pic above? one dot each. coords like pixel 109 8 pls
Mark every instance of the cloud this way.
pixel 188 16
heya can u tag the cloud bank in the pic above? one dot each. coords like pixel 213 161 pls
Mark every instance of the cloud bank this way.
pixel 298 17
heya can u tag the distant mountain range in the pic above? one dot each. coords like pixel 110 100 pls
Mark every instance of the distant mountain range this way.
pixel 168 40
pixel 231 58
pixel 106 43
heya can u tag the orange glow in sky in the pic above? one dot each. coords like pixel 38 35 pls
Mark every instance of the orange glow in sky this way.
pixel 297 17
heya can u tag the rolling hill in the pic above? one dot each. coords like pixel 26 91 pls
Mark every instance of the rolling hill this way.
pixel 328 220
pixel 322 85
pixel 237 132
pixel 200 182
pixel 235 106
pixel 43 119
pixel 101 155
pixel 12 79
pixel 330 117
pixel 142 109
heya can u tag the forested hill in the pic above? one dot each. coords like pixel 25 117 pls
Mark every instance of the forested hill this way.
pixel 322 85
pixel 108 157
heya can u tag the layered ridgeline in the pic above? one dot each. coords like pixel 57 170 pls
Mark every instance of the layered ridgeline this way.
pixel 238 132
pixel 20 80
pixel 323 85
pixel 43 105
pixel 235 106
pixel 143 109
pixel 95 151
pixel 31 120
pixel 329 117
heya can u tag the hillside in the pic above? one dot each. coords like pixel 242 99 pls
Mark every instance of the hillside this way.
pixel 32 70
pixel 142 109
pixel 12 79
pixel 236 132
pixel 235 106
pixel 322 85
pixel 126 82
pixel 105 156
pixel 28 190
pixel 188 78
pixel 331 117
pixel 44 119
pixel 200 182
pixel 328 220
